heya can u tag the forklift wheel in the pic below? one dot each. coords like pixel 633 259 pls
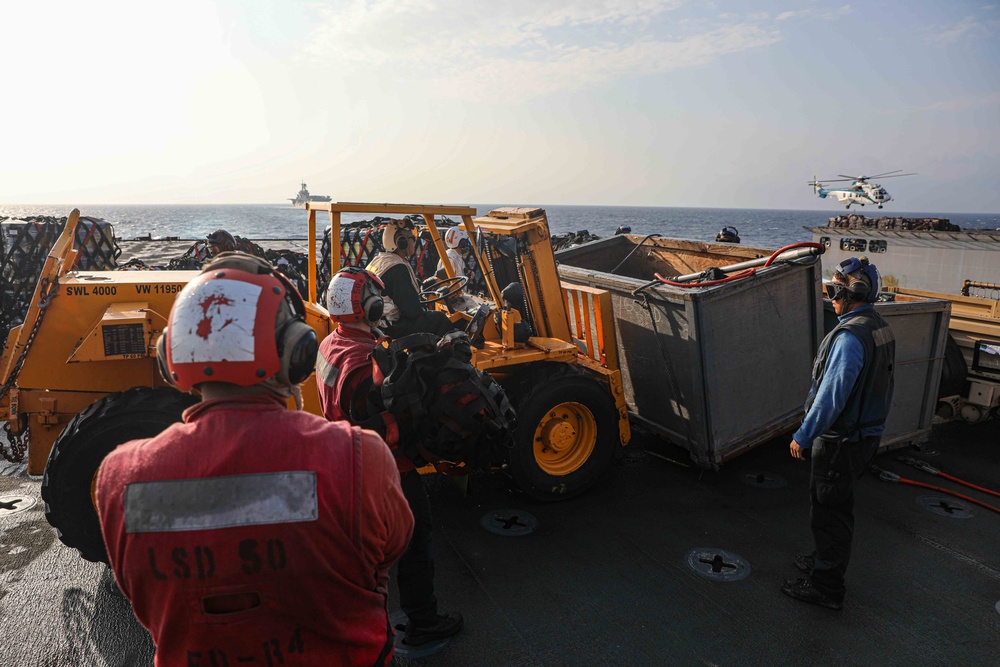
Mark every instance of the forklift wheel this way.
pixel 68 483
pixel 567 432
pixel 954 371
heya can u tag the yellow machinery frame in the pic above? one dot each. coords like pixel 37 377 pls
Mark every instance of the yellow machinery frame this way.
pixel 556 342
pixel 101 328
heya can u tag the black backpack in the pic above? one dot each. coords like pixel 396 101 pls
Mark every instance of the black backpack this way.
pixel 450 409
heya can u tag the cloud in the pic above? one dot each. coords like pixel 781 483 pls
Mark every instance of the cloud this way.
pixel 963 103
pixel 826 15
pixel 520 49
pixel 967 27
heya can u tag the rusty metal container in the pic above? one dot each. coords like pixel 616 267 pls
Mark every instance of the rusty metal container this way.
pixel 715 369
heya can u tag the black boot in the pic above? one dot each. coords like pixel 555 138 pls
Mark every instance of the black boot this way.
pixel 802 589
pixel 440 627
pixel 804 563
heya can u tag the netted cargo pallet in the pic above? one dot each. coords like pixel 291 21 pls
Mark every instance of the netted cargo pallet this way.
pixel 25 245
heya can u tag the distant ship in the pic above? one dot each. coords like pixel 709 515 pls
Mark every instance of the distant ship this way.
pixel 300 199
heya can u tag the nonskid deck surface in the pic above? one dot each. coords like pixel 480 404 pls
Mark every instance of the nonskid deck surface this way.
pixel 604 579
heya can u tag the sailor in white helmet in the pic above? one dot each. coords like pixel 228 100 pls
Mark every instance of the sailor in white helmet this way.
pixel 457 240
pixel 404 313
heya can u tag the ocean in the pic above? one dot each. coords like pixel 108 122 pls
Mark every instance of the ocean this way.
pixel 757 227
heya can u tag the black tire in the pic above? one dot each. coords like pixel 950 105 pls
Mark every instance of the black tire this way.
pixel 953 371
pixel 141 412
pixel 585 407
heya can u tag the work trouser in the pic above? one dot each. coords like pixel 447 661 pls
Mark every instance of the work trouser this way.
pixel 415 570
pixel 835 465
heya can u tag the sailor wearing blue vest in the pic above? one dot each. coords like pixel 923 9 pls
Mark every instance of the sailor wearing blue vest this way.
pixel 846 409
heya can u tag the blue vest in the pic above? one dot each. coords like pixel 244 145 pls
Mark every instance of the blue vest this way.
pixel 868 404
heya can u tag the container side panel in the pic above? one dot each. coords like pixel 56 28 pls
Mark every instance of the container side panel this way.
pixel 759 341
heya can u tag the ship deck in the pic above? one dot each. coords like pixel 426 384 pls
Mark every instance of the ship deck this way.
pixel 604 579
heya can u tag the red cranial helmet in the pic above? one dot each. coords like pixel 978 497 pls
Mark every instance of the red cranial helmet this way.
pixel 354 295
pixel 238 322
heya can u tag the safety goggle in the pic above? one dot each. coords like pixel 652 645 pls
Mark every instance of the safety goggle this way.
pixel 838 291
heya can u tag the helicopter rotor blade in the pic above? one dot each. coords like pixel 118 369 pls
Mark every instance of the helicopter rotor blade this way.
pixel 896 175
pixel 853 178
pixel 895 171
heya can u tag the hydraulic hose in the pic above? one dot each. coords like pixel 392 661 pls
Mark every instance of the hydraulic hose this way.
pixel 739 271
pixel 928 468
pixel 892 477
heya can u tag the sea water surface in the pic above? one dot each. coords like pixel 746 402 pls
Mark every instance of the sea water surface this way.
pixel 765 228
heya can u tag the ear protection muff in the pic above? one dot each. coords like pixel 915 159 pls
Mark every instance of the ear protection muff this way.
pixel 297 341
pixel 161 359
pixel 857 289
pixel 397 235
pixel 373 306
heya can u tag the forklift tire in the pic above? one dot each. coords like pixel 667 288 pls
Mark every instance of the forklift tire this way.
pixel 953 371
pixel 68 483
pixel 567 432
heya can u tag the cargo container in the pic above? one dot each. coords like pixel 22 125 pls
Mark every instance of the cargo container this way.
pixel 716 369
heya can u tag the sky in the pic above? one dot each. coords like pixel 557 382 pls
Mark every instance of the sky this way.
pixel 592 102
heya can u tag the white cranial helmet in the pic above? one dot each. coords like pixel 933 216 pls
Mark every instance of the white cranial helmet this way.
pixel 454 236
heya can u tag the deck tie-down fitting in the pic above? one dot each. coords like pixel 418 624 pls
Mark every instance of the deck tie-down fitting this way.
pixel 717 564
pixel 509 522
pixel 763 480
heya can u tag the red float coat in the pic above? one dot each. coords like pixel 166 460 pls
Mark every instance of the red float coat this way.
pixel 344 362
pixel 252 534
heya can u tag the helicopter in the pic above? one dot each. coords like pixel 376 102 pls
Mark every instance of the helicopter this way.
pixel 860 191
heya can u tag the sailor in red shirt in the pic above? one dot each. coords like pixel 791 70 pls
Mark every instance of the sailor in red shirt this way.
pixel 344 376
pixel 250 533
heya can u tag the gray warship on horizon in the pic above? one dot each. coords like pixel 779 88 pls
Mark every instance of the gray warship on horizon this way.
pixel 303 196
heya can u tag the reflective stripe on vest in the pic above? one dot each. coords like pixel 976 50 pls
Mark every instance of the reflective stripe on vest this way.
pixel 220 502
pixel 326 371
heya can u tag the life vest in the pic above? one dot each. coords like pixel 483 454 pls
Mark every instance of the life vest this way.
pixel 868 404
pixel 341 354
pixel 379 266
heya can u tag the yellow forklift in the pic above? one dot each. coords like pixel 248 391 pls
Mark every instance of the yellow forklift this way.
pixel 79 376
